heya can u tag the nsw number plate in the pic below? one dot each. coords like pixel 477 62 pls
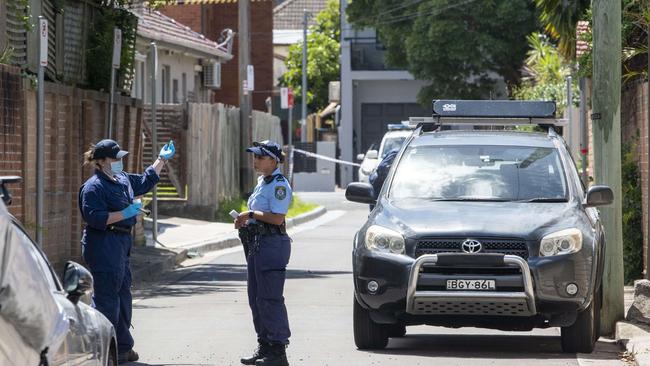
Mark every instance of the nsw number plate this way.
pixel 476 285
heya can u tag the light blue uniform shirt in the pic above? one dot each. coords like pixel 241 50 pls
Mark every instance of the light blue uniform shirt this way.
pixel 274 196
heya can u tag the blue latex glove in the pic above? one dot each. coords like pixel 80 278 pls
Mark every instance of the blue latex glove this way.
pixel 132 210
pixel 168 150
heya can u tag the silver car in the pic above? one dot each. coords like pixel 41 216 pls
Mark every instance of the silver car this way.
pixel 43 320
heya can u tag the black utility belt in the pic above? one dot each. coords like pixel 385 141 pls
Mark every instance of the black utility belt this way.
pixel 115 229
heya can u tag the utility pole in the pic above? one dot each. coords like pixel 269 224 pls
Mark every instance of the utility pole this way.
pixel 303 127
pixel 154 135
pixel 244 95
pixel 40 129
pixel 606 120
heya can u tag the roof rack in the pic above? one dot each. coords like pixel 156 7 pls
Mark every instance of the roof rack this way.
pixel 491 112
pixel 4 193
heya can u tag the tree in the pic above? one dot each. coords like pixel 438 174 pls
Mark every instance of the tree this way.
pixel 461 47
pixel 545 72
pixel 559 18
pixel 323 46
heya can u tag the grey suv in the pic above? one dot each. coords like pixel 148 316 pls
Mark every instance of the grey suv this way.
pixel 481 228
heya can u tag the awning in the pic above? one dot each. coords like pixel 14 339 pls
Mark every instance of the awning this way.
pixel 331 108
pixel 204 2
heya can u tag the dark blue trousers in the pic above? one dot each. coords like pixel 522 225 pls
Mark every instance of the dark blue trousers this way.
pixel 113 299
pixel 266 275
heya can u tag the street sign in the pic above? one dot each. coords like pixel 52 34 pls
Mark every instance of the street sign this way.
pixel 250 77
pixel 117 48
pixel 43 33
pixel 290 98
pixel 284 98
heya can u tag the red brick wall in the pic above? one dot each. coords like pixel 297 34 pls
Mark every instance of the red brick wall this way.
pixel 73 119
pixel 221 16
pixel 12 117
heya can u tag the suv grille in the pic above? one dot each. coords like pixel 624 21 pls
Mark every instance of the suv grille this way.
pixel 516 247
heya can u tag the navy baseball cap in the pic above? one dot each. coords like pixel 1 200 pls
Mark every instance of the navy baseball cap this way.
pixel 108 149
pixel 267 148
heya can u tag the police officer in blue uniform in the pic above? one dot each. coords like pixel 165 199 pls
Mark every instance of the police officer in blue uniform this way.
pixel 268 247
pixel 107 205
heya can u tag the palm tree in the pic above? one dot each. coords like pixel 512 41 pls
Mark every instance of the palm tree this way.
pixel 559 18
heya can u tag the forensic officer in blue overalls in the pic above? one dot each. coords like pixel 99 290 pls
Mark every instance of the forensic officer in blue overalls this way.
pixel 268 247
pixel 108 208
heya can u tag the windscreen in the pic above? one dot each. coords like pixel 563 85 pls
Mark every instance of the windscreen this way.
pixel 393 143
pixel 498 173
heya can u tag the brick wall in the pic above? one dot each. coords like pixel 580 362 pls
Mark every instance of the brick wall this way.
pixel 12 113
pixel 634 123
pixel 74 119
pixel 221 16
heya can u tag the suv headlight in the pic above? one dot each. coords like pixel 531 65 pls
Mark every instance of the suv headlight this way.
pixel 382 239
pixel 562 242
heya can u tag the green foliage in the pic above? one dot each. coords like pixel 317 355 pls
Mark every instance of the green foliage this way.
pixel 632 215
pixel 323 49
pixel 6 55
pixel 461 47
pixel 546 74
pixel 21 7
pixel 559 19
pixel 296 208
pixel 100 48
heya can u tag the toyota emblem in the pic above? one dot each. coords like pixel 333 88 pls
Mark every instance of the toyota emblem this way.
pixel 471 246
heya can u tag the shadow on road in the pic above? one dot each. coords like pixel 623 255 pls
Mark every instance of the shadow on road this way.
pixel 214 278
pixel 489 347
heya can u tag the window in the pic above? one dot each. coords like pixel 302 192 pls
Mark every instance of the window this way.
pixel 44 266
pixel 166 84
pixel 184 87
pixel 175 91
pixel 499 173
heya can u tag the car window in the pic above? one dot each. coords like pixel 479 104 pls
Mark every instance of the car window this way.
pixel 44 266
pixel 390 144
pixel 507 173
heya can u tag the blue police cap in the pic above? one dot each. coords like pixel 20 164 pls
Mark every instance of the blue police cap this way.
pixel 108 149
pixel 267 148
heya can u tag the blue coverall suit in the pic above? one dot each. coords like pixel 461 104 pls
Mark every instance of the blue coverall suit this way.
pixel 107 251
pixel 267 268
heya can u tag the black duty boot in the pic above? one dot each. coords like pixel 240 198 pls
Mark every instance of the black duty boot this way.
pixel 276 356
pixel 260 352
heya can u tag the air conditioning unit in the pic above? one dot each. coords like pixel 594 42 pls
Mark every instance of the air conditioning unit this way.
pixel 212 75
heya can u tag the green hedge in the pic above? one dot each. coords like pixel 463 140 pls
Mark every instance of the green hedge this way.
pixel 632 214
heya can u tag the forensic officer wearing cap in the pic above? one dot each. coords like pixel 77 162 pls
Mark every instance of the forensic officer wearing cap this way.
pixel 268 247
pixel 109 209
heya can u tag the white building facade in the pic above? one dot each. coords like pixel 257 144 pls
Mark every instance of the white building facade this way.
pixel 372 95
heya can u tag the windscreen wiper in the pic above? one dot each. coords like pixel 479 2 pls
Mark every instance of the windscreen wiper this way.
pixel 543 199
pixel 470 199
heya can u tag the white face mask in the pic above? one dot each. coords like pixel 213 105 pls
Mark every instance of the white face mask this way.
pixel 117 167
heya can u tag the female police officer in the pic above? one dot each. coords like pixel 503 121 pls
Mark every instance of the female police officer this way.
pixel 267 255
pixel 107 206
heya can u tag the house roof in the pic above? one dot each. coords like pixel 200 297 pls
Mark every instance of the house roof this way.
pixel 289 14
pixel 582 46
pixel 199 2
pixel 155 26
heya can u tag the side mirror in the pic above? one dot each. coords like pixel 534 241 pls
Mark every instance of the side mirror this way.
pixel 372 154
pixel 77 282
pixel 360 157
pixel 599 196
pixel 361 193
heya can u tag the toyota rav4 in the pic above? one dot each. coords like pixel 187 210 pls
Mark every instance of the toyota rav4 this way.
pixel 481 228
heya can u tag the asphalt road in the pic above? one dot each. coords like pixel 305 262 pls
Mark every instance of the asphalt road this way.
pixel 199 315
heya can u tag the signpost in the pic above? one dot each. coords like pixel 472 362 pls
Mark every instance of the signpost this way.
pixel 40 128
pixel 286 102
pixel 117 56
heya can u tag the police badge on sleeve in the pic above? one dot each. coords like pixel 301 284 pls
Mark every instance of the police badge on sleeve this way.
pixel 280 192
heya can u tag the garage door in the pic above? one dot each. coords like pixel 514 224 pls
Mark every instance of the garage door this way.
pixel 375 117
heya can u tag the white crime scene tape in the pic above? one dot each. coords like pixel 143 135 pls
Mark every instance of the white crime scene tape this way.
pixel 323 157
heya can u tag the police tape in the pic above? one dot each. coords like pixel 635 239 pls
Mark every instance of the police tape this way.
pixel 326 158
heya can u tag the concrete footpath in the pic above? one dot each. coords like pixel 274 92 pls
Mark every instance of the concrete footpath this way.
pixel 181 238
pixel 634 336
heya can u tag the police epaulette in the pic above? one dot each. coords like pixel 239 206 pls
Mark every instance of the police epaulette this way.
pixel 280 178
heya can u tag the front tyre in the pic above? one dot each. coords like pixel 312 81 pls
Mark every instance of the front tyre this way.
pixel 367 333
pixel 581 337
